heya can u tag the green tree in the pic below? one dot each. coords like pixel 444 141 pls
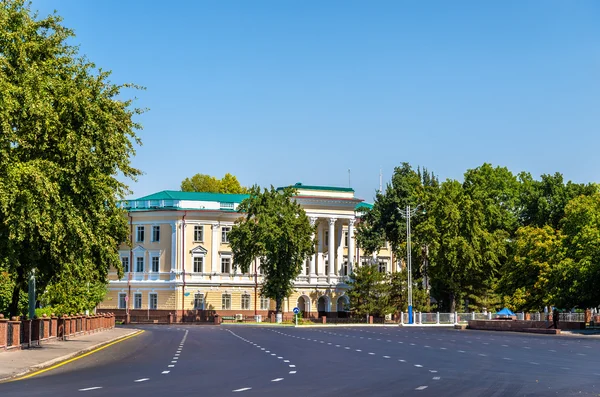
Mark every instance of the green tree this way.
pixel 527 278
pixel 369 292
pixel 275 229
pixel 66 138
pixel 578 276
pixel 464 255
pixel 207 183
pixel 385 223
pixel 543 202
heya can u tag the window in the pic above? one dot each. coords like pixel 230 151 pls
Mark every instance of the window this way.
pixel 226 206
pixel 344 271
pixel 140 234
pixel 327 267
pixel 245 302
pixel 153 301
pixel 139 264
pixel 155 263
pixel 326 238
pixel 198 264
pixel 137 300
pixel 225 234
pixel 264 303
pixel 226 265
pixel 198 233
pixel 155 233
pixel 382 267
pixel 125 263
pixel 122 301
pixel 226 302
pixel 199 301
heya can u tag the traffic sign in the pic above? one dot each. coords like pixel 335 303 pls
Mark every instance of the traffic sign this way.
pixel 296 310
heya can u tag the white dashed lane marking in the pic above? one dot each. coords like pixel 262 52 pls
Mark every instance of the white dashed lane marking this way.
pixel 165 372
pixel 421 388
pixel 142 380
pixel 91 388
pixel 242 389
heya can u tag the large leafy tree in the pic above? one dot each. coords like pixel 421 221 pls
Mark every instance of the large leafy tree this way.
pixel 578 277
pixel 66 135
pixel 384 222
pixel 207 183
pixel 528 277
pixel 275 229
pixel 465 256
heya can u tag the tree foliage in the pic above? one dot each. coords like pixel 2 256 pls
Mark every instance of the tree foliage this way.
pixel 368 293
pixel 66 134
pixel 275 229
pixel 207 183
pixel 495 239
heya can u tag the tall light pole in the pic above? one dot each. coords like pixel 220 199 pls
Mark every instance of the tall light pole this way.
pixel 407 213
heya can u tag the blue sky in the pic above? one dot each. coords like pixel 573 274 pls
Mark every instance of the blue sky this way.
pixel 279 92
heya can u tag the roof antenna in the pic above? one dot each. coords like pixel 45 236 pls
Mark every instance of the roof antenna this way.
pixel 349 185
pixel 380 181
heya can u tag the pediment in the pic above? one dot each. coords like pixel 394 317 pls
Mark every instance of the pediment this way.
pixel 139 248
pixel 199 250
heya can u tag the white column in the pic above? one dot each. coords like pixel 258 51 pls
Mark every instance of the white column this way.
pixel 174 226
pixel 214 248
pixel 339 238
pixel 320 269
pixel 350 245
pixel 331 248
pixel 313 256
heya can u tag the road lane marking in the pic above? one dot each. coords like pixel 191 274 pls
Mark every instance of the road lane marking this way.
pixel 286 361
pixel 242 389
pixel 372 354
pixel 142 380
pixel 292 366
pixel 421 388
pixel 165 372
pixel 170 366
pixel 386 356
pixel 276 379
pixel 78 357
pixel 91 388
pixel 292 372
pixel 358 350
pixel 436 378
pixel 418 366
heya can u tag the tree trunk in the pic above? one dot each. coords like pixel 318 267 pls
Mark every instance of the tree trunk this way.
pixel 278 305
pixel 452 302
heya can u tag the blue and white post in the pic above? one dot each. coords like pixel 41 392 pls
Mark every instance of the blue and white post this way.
pixel 409 266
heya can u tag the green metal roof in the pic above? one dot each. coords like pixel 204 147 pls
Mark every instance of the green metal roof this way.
pixel 196 196
pixel 299 185
pixel 363 205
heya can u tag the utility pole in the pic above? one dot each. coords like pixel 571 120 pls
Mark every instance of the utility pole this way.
pixel 407 213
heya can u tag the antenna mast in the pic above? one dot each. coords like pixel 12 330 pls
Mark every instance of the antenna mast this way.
pixel 380 181
pixel 349 185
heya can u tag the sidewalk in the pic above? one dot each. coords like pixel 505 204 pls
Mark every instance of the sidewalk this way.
pixel 19 362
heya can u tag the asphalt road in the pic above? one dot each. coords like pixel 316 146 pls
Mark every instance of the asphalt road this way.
pixel 340 361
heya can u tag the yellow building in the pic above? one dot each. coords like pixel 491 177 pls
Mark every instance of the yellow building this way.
pixel 181 262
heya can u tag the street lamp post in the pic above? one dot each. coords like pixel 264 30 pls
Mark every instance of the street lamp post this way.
pixel 407 213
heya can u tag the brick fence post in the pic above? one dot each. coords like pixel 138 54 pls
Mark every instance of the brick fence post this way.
pixel 67 327
pixel 370 319
pixel 16 333
pixel 53 326
pixel 324 319
pixel 46 320
pixel 3 332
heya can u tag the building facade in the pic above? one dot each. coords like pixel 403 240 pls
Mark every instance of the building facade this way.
pixel 180 260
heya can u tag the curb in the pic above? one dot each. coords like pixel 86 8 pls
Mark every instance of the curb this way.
pixel 57 360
